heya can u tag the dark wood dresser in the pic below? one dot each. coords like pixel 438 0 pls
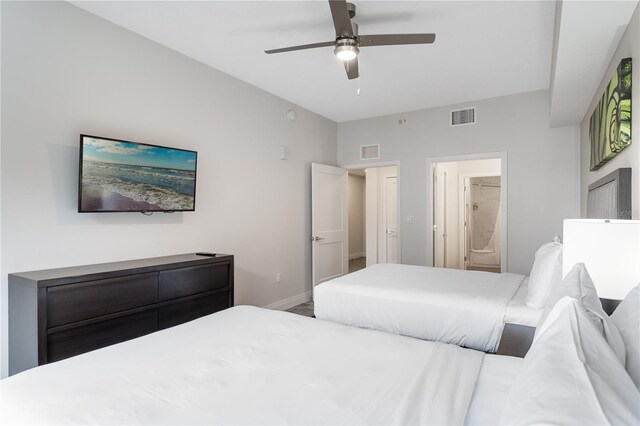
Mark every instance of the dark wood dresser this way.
pixel 58 313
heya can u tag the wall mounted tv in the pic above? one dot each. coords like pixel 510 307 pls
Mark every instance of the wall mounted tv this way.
pixel 122 176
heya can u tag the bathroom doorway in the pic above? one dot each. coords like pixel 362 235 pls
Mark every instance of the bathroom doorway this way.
pixel 468 212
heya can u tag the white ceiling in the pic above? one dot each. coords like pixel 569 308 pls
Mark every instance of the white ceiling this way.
pixel 586 39
pixel 482 50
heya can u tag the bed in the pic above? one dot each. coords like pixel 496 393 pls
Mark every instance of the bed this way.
pixel 466 308
pixel 249 365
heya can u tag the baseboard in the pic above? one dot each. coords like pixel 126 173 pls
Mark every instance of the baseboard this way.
pixel 290 302
pixel 356 255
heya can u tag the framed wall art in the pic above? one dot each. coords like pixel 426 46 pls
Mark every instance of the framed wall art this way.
pixel 610 124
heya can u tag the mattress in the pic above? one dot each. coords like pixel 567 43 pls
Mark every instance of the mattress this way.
pixel 465 308
pixel 249 365
pixel 518 312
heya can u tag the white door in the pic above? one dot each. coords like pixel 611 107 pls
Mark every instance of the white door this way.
pixel 329 222
pixel 391 206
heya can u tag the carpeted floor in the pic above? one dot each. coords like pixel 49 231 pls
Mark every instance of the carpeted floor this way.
pixel 357 264
pixel 305 309
pixel 484 269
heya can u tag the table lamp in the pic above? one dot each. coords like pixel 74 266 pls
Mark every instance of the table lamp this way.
pixel 609 248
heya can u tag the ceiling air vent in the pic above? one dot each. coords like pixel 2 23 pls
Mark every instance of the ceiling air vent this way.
pixel 462 117
pixel 368 152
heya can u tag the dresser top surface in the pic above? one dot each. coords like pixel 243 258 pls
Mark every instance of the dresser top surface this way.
pixel 133 266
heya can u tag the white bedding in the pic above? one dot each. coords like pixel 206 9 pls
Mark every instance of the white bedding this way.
pixel 252 366
pixel 517 310
pixel 496 377
pixel 465 308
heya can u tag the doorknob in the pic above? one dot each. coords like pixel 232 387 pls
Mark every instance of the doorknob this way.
pixel 317 238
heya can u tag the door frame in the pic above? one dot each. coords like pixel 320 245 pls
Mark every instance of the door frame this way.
pixel 431 162
pixel 435 206
pixel 399 181
pixel 383 214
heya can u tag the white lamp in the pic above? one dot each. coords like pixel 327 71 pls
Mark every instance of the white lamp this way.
pixel 610 249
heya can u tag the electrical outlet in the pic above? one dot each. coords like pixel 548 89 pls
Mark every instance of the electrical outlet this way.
pixel 411 219
pixel 278 277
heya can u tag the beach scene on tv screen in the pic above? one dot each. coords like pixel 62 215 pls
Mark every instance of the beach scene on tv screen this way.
pixel 118 175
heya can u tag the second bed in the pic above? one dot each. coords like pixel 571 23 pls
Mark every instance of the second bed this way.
pixel 466 308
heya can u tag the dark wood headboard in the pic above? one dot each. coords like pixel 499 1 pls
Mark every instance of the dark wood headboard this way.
pixel 610 197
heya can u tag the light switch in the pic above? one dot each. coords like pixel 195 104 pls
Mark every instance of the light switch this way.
pixel 284 152
pixel 411 219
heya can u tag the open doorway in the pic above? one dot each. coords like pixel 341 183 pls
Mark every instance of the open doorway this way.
pixel 330 218
pixel 356 190
pixel 468 214
pixel 373 216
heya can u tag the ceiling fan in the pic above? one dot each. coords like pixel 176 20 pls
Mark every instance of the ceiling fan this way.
pixel 348 42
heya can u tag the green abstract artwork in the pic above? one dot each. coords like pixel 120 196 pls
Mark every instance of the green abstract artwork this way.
pixel 610 125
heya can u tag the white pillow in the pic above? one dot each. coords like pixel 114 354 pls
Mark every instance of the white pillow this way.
pixel 571 376
pixel 626 318
pixel 579 285
pixel 545 274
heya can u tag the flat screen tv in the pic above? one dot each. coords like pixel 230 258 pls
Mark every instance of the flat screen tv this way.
pixel 122 176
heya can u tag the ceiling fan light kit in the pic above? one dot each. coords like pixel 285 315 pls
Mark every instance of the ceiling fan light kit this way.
pixel 347 43
pixel 346 49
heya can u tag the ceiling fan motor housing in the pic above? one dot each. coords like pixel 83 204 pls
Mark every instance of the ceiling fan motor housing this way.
pixel 352 9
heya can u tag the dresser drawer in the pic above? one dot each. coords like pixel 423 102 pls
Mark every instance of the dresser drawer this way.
pixel 182 282
pixel 67 343
pixel 76 302
pixel 188 310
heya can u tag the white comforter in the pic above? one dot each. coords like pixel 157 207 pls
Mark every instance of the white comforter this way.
pixel 446 305
pixel 252 366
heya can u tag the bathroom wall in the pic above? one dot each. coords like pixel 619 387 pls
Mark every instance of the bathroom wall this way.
pixel 485 205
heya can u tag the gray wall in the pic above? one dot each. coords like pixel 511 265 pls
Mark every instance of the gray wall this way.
pixel 543 166
pixel 66 72
pixel 629 47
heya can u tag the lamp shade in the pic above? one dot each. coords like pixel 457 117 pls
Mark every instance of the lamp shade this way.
pixel 610 249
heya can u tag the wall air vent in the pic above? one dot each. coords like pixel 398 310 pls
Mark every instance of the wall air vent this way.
pixel 369 152
pixel 463 117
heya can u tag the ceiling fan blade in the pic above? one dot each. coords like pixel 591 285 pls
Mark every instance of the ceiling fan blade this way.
pixel 352 68
pixel 301 47
pixel 394 39
pixel 341 19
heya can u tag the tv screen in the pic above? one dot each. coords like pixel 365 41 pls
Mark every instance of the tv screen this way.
pixel 122 176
